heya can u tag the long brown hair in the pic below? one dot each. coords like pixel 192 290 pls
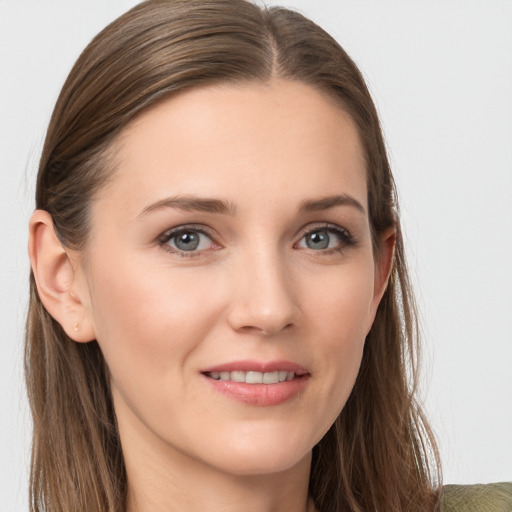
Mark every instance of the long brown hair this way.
pixel 380 453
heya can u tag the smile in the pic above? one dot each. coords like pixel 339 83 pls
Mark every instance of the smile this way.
pixel 258 383
pixel 253 377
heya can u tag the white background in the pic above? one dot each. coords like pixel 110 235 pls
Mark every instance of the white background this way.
pixel 441 74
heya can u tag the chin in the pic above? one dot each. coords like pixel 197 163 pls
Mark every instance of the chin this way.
pixel 260 466
pixel 259 456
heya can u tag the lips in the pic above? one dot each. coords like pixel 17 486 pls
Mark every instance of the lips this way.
pixel 258 383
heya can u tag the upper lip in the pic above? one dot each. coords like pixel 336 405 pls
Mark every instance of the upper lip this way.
pixel 257 366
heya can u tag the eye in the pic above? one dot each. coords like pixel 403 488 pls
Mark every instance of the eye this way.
pixel 186 240
pixel 326 239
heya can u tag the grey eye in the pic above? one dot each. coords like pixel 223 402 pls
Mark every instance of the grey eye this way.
pixel 189 240
pixel 325 239
pixel 318 240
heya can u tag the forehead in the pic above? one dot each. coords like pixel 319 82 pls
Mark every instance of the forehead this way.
pixel 264 142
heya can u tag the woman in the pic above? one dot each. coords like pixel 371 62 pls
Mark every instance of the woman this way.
pixel 220 310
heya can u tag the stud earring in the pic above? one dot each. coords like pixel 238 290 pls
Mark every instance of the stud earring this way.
pixel 75 327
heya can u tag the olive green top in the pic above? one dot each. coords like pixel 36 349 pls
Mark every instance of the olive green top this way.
pixel 477 498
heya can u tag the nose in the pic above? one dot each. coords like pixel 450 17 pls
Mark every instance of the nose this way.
pixel 265 296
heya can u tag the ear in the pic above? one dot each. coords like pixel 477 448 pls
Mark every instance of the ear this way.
pixel 56 279
pixel 383 265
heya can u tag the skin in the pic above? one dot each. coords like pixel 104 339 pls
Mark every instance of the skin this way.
pixel 256 289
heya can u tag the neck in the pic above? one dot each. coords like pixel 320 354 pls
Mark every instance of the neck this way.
pixel 176 485
pixel 162 479
pixel 198 491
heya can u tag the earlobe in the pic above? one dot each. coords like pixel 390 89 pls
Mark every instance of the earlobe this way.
pixel 55 279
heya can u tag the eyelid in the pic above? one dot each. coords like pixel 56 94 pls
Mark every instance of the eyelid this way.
pixel 348 239
pixel 198 228
pixel 323 225
pixel 162 239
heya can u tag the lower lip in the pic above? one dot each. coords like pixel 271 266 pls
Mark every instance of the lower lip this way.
pixel 263 395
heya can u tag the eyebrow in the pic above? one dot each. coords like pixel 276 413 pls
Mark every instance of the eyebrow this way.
pixel 191 203
pixel 325 203
pixel 210 205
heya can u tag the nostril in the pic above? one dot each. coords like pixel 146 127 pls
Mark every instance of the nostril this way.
pixel 267 331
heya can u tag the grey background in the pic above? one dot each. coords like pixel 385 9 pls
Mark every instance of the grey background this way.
pixel 441 74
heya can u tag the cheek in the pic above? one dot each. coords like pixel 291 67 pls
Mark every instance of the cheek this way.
pixel 341 310
pixel 341 302
pixel 146 318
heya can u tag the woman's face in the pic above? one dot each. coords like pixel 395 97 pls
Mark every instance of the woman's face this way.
pixel 230 278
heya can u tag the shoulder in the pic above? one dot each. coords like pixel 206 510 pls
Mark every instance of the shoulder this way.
pixel 477 498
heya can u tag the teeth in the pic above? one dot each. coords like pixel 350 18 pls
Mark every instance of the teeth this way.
pixel 254 377
pixel 237 376
pixel 271 378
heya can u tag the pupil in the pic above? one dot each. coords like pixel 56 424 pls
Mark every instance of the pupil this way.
pixel 318 240
pixel 187 241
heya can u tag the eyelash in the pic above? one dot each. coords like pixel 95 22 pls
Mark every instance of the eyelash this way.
pixel 347 239
pixel 170 234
